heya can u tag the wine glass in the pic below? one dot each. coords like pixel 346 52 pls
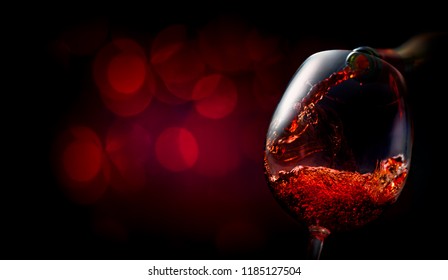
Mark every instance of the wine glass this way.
pixel 338 148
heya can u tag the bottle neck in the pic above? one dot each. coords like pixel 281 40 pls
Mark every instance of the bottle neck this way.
pixel 415 52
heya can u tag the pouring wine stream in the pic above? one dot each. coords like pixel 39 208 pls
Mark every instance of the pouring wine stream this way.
pixel 338 148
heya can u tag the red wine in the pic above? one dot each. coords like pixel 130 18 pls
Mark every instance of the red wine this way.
pixel 339 200
pixel 283 147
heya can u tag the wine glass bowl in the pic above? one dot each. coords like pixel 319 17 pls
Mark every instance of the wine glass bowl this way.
pixel 338 147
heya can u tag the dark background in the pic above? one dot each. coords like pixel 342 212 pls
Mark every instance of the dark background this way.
pixel 40 221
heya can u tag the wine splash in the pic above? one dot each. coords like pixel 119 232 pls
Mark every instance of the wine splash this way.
pixel 316 163
pixel 308 117
pixel 339 143
pixel 339 200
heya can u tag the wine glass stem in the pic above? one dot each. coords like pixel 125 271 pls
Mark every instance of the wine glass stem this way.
pixel 316 241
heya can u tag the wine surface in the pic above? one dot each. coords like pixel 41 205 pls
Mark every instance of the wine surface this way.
pixel 339 200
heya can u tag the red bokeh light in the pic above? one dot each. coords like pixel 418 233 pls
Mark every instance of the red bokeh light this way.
pixel 177 149
pixel 128 148
pixel 218 144
pixel 216 96
pixel 177 61
pixel 182 66
pixel 167 42
pixel 190 112
pixel 127 142
pixel 124 79
pixel 126 73
pixel 81 164
pixel 82 160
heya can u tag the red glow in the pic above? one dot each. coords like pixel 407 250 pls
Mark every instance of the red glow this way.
pixel 165 53
pixel 125 81
pixel 82 160
pixel 218 143
pixel 222 44
pixel 177 60
pixel 206 86
pixel 83 133
pixel 188 147
pixel 129 179
pixel 127 142
pixel 126 73
pixel 177 149
pixel 167 42
pixel 165 95
pixel 128 147
pixel 219 96
pixel 183 66
pixel 182 91
pixel 82 157
pixel 82 168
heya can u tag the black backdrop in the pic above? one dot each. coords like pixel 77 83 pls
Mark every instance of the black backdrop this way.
pixel 38 221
